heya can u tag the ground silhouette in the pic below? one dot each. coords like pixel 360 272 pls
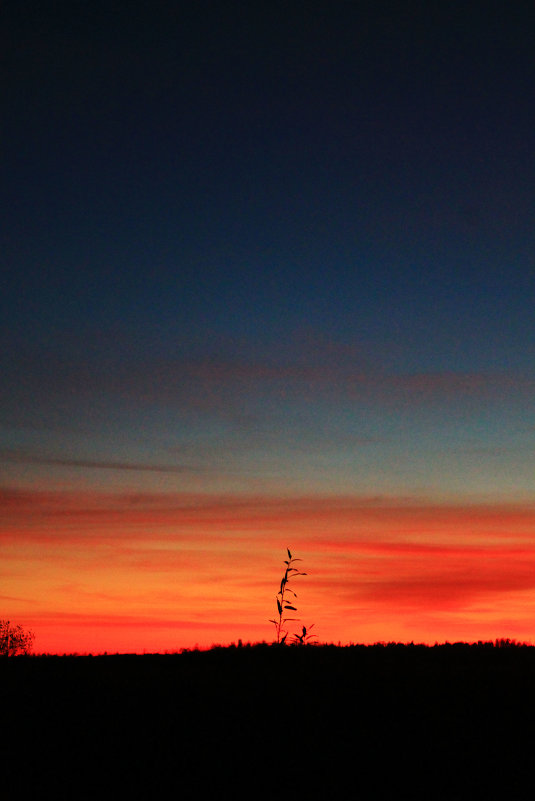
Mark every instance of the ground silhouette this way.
pixel 373 722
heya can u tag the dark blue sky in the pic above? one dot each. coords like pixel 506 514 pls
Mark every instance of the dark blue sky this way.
pixel 285 215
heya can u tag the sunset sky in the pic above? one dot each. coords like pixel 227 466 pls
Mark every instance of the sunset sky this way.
pixel 268 280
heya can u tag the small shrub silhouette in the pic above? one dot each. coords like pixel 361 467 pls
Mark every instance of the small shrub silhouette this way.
pixel 14 640
pixel 284 606
pixel 305 637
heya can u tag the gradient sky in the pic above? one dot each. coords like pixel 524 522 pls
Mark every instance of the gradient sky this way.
pixel 268 280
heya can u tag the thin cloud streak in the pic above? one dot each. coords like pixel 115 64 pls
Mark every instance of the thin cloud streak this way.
pixel 221 384
pixel 454 581
pixel 403 514
pixel 124 620
pixel 23 457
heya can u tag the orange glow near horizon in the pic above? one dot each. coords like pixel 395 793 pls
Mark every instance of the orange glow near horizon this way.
pixel 132 572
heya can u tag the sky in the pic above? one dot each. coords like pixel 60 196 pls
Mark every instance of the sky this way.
pixel 268 280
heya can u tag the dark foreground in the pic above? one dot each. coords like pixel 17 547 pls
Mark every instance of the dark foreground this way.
pixel 395 721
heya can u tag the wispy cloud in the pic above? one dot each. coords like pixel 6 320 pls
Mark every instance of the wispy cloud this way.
pixel 80 618
pixel 25 457
pixel 232 386
pixel 497 450
pixel 326 523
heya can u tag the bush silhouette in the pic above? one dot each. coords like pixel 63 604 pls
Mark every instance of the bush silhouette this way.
pixel 14 640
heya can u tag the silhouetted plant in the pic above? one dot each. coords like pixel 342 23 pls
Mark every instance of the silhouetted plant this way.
pixel 283 604
pixel 14 639
pixel 305 637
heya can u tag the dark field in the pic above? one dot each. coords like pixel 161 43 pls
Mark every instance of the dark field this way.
pixel 394 721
